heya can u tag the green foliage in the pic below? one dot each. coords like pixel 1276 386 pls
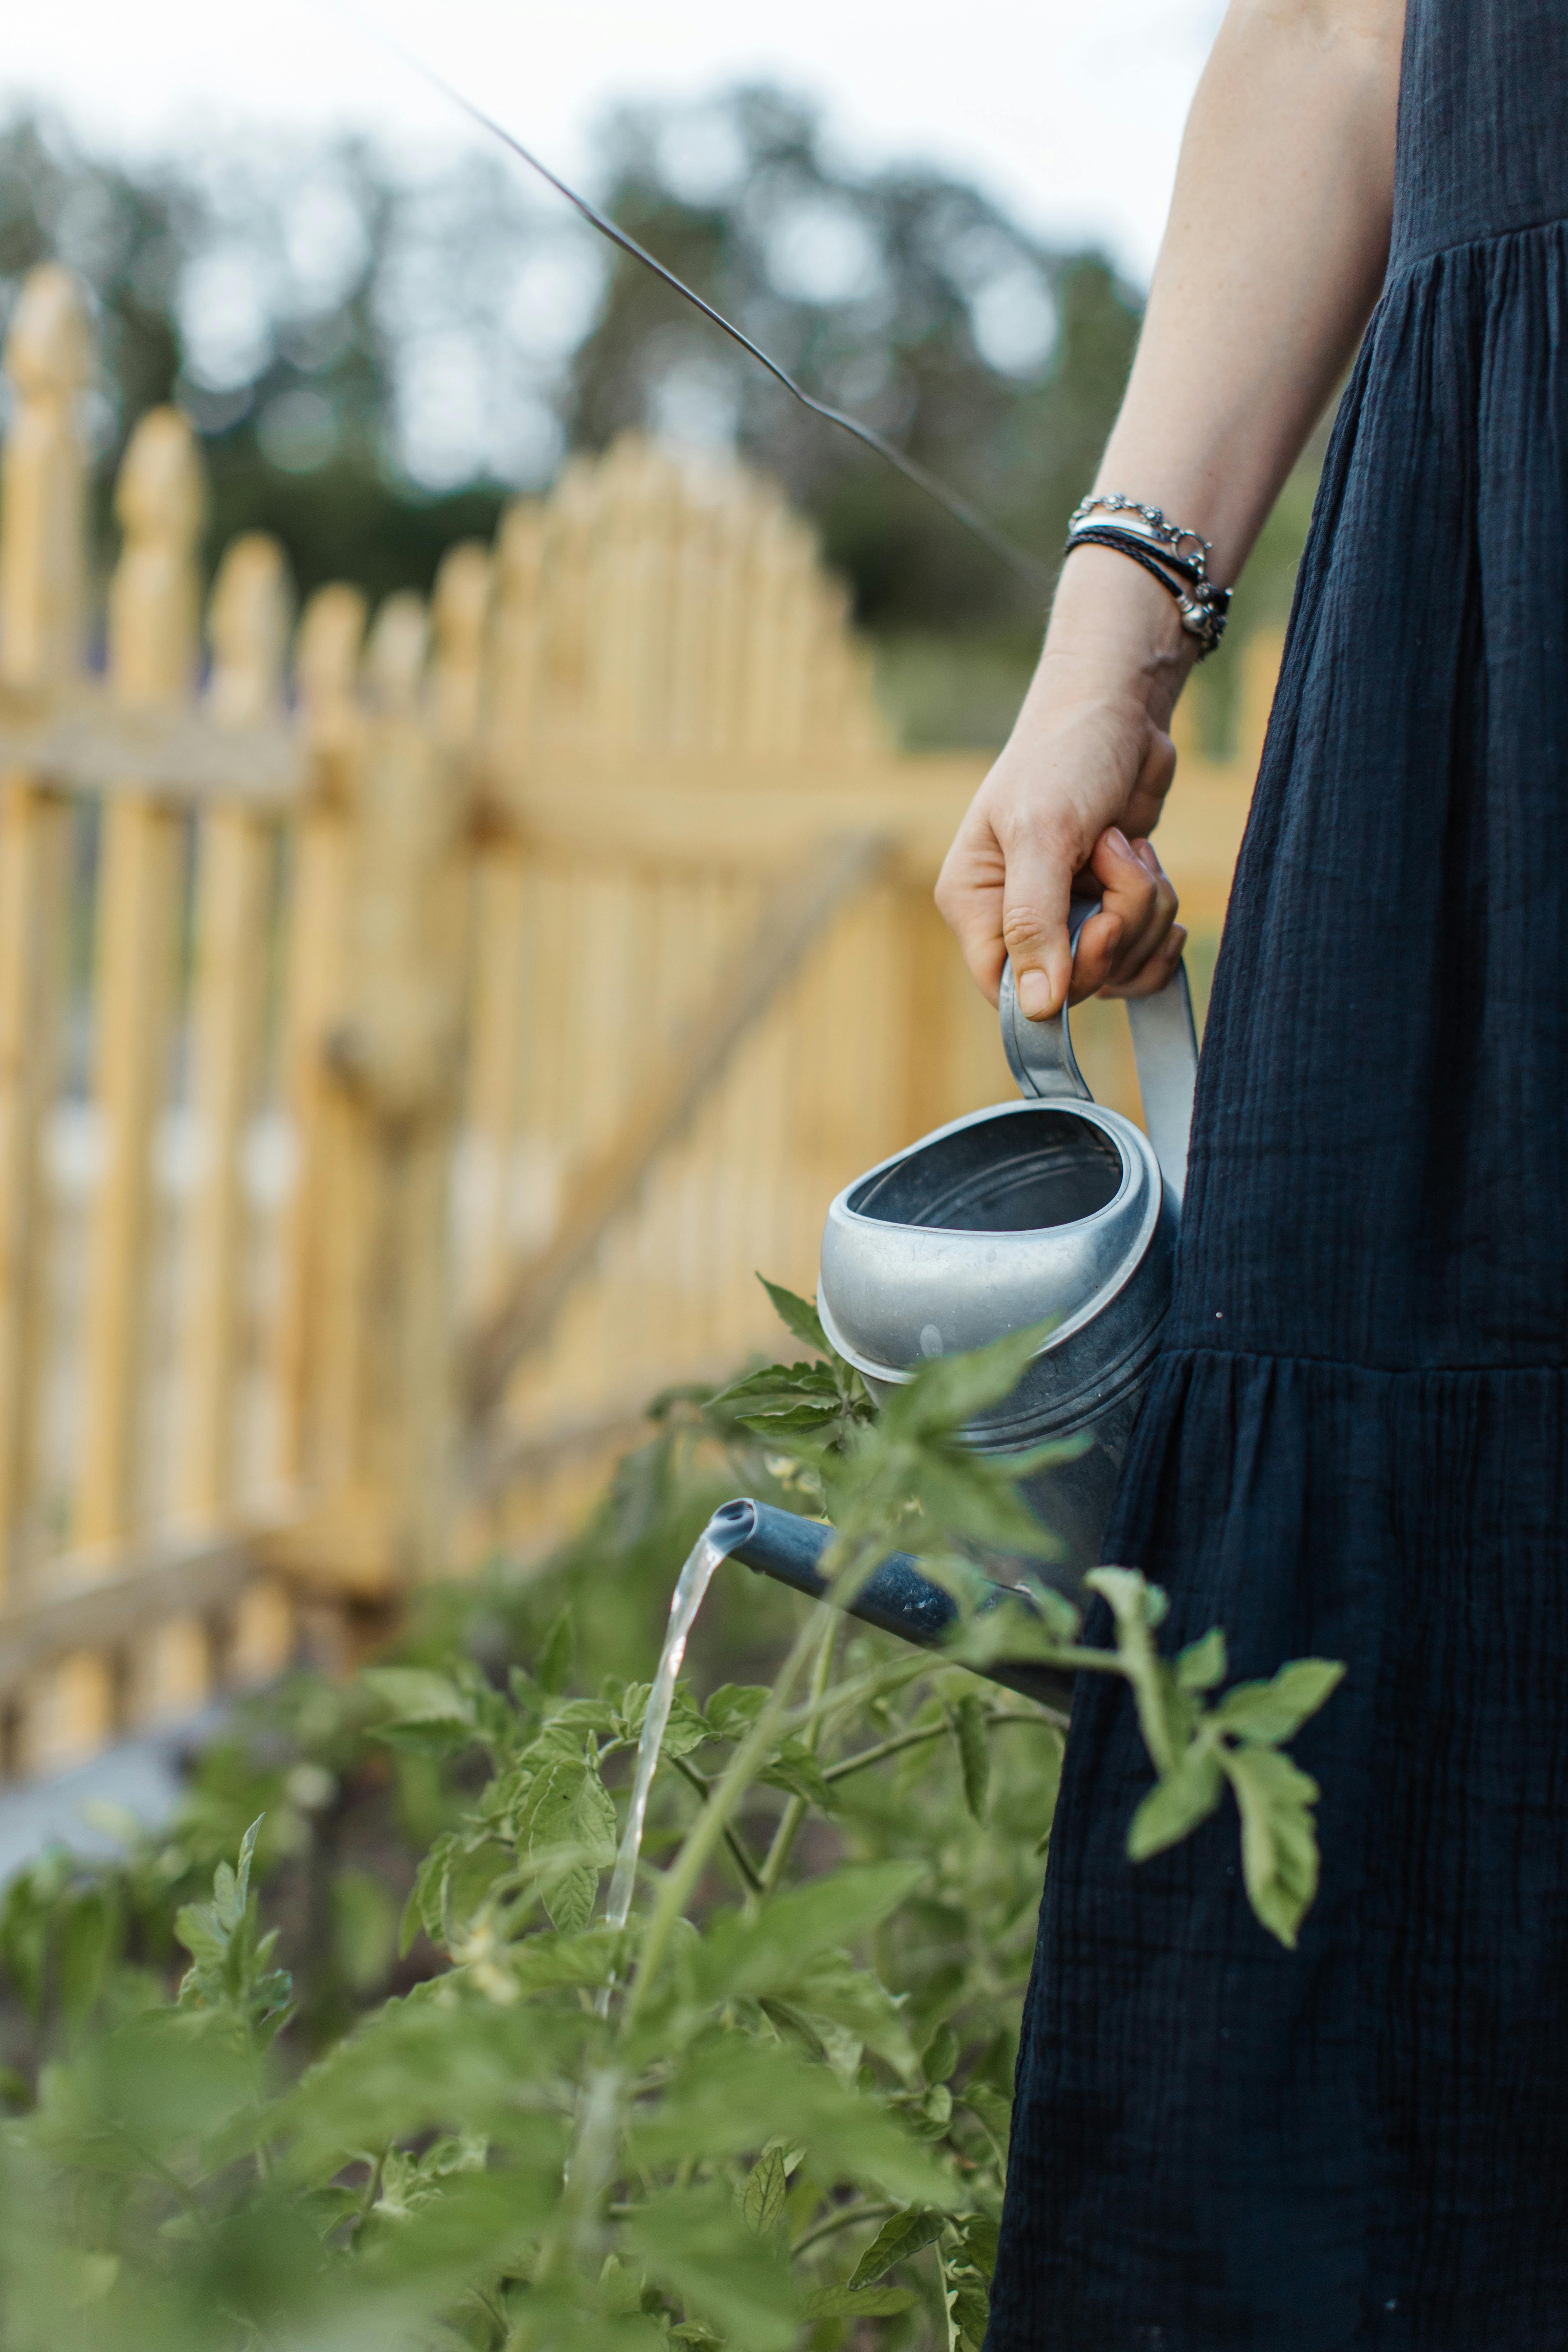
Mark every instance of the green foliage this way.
pixel 772 2112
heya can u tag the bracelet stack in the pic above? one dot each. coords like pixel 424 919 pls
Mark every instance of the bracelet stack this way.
pixel 1176 557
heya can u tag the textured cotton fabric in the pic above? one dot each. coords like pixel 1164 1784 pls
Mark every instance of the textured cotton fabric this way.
pixel 1355 1444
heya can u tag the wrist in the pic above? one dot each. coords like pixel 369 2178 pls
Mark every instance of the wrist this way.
pixel 1115 633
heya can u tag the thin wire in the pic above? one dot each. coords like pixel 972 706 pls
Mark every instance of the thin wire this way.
pixel 1018 559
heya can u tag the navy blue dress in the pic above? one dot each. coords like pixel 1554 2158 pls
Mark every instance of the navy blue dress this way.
pixel 1356 1441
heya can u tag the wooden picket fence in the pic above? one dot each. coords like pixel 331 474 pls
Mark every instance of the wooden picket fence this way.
pixel 412 1039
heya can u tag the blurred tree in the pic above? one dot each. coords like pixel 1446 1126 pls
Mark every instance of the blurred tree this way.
pixel 372 359
pixel 346 343
pixel 375 358
pixel 905 296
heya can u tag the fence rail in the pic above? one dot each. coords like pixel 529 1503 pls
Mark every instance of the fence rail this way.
pixel 413 1035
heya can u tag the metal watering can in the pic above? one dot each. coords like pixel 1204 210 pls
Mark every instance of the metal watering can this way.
pixel 1051 1206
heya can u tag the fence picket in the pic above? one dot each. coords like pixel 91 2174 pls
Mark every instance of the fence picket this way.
pixel 505 900
pixel 42 564
pixel 152 614
pixel 326 665
pixel 249 627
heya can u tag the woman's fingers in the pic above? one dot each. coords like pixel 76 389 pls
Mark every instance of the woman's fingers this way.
pixel 1011 901
pixel 969 894
pixel 1133 887
pixel 1153 976
pixel 1035 923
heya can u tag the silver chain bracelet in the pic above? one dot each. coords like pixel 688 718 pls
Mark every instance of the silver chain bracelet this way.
pixel 1161 548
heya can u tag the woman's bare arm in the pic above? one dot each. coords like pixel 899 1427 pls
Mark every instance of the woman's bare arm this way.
pixel 1270 265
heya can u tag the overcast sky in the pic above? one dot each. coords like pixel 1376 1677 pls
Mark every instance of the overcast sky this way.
pixel 1069 111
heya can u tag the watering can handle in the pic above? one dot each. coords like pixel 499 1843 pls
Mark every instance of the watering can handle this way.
pixel 1164 1047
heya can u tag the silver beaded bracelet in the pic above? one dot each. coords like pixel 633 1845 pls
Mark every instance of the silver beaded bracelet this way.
pixel 1161 548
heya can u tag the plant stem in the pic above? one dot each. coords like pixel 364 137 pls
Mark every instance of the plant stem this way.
pixel 864 1756
pixel 794 1811
pixel 882 1682
pixel 843 2217
pixel 886 1747
pixel 738 1854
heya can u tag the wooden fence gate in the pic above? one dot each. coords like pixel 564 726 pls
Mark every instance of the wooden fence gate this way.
pixel 412 1039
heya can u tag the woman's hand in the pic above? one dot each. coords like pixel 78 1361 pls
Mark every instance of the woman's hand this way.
pixel 1271 262
pixel 1076 792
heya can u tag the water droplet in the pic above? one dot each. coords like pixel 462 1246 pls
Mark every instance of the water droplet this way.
pixel 930 1340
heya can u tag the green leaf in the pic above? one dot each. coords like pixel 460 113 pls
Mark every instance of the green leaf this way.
pixel 703 2251
pixel 796 1770
pixel 1174 1806
pixel 941 2055
pixel 948 1393
pixel 1279 1839
pixel 1051 1750
pixel 964 1495
pixel 797 1315
pixel 936 2108
pixel 1201 1666
pixel 553 1670
pixel 241 1895
pixel 979 2234
pixel 993 2108
pixel 771 1948
pixel 1133 1600
pixel 970 2311
pixel 734 1707
pixel 177 2078
pixel 542 1963
pixel 90 1937
pixel 574 1811
pixel 733 2095
pixel 687 1729
pixel 426 1905
pixel 364 1928
pixel 900 2236
pixel 1167 1715
pixel 473 1870
pixel 781 1398
pixel 416 1695
pixel 767 2187
pixel 836 2002
pixel 1274 1711
pixel 422 2064
pixel 967 1717
pixel 845 2302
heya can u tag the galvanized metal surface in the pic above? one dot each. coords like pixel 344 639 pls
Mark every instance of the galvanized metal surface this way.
pixel 1051 1208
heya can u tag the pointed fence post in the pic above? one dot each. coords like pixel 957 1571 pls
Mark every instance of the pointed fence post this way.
pixel 48 358
pixel 152 624
pixel 248 628
pixel 500 1002
pixel 326 669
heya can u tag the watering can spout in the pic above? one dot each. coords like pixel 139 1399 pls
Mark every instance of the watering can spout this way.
pixel 896 1597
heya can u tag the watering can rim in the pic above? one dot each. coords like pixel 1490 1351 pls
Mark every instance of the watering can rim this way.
pixel 1138 1161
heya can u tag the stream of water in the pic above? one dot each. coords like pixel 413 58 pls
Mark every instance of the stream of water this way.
pixel 691 1586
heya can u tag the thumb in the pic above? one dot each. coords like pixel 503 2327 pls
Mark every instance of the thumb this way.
pixel 1035 926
